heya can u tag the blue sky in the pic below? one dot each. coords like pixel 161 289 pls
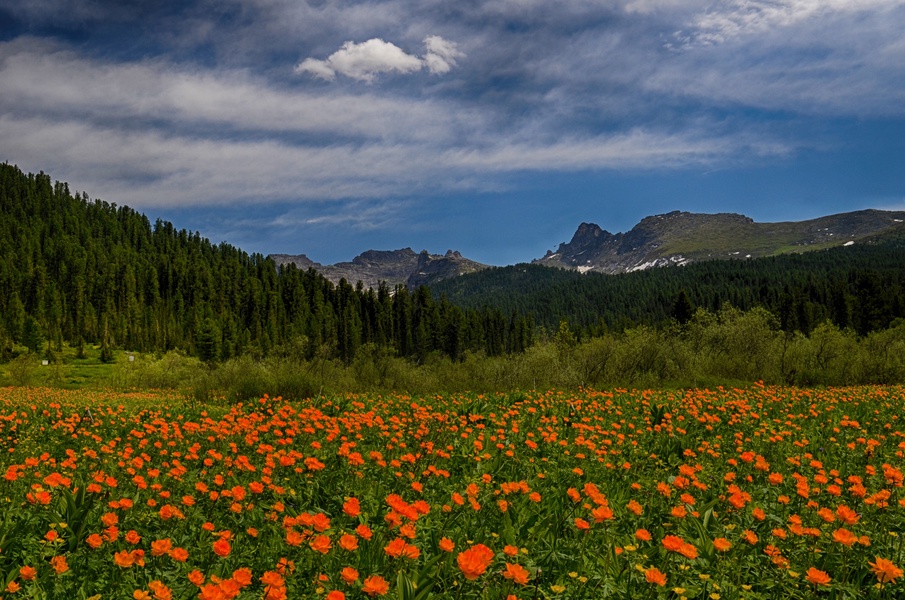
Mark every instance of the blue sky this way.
pixel 494 128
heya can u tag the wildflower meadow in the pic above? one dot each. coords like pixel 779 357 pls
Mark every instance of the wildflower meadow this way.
pixel 762 492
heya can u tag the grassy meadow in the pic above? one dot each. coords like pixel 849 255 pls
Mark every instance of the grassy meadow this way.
pixel 752 492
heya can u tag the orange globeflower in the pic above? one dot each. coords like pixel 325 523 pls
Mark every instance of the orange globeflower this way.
pixel 242 576
pixel 818 577
pixel 336 595
pixel 446 544
pixel 721 544
pixel 59 564
pixel 28 573
pixel 642 535
pixel 474 561
pixel 222 548
pixel 582 524
pixel 179 554
pixel 673 543
pixel 161 547
pixel 352 507
pixel 321 544
pixel 516 573
pixel 123 559
pixel 654 575
pixel 349 575
pixel 95 541
pixel 844 537
pixel 688 551
pixel 348 542
pixel 375 585
pixel 885 570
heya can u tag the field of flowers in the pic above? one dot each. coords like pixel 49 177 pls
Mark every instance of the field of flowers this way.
pixel 729 493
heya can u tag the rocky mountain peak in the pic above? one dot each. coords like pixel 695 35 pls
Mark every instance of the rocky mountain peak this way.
pixel 678 237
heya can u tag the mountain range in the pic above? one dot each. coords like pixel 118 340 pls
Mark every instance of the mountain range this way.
pixel 676 238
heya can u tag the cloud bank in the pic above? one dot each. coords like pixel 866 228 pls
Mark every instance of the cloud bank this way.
pixel 208 102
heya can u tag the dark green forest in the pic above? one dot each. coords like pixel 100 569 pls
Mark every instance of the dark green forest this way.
pixel 861 287
pixel 77 271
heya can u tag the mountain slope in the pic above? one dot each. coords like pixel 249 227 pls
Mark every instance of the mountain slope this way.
pixel 861 286
pixel 680 238
pixel 389 266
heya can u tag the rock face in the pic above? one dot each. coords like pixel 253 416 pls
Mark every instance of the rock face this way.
pixel 678 238
pixel 394 267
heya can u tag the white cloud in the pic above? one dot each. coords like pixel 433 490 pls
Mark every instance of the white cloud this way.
pixel 362 61
pixel 730 19
pixel 368 59
pixel 440 54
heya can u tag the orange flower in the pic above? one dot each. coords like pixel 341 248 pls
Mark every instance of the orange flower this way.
pixel 510 550
pixel 95 541
pixel 818 577
pixel 446 544
pixel 654 575
pixel 222 548
pixel 364 532
pixel 845 537
pixel 336 595
pixel 196 577
pixel 474 561
pixel 375 585
pixel 395 548
pixel 272 578
pixel 673 543
pixel 179 554
pixel 634 507
pixel 352 507
pixel 642 535
pixel 321 544
pixel 688 551
pixel 59 564
pixel 161 547
pixel 721 544
pixel 582 524
pixel 141 595
pixel 517 573
pixel 28 573
pixel 12 587
pixel 349 575
pixel 602 513
pixel 123 559
pixel 885 570
pixel 242 576
pixel 348 542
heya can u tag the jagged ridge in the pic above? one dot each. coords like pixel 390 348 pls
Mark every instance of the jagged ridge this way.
pixel 678 238
pixel 392 267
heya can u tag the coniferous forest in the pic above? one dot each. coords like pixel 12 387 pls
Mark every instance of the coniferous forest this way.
pixel 96 279
pixel 80 271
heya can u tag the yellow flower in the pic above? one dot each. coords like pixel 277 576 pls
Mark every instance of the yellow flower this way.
pixel 558 589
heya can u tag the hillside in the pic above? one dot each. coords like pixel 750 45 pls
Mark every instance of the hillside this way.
pixel 681 238
pixel 860 286
pixel 82 272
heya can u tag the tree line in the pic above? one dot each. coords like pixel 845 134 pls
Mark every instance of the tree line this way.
pixel 78 271
pixel 861 287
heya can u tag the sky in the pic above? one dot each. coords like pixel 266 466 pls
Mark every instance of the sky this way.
pixel 494 128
